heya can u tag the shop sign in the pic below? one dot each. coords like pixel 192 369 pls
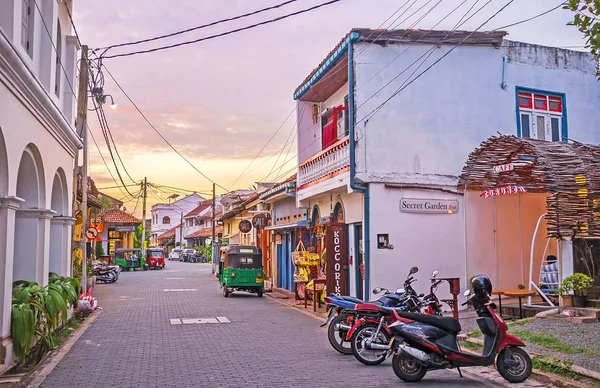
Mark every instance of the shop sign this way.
pixel 125 228
pixel 337 260
pixel 503 168
pixel 259 221
pixel 503 191
pixel 430 206
pixel 245 226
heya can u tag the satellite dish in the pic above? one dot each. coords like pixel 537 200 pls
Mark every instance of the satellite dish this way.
pixel 226 201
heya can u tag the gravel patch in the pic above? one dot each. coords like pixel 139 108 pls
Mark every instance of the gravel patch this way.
pixel 584 335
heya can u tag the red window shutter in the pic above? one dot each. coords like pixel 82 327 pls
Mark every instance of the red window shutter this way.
pixel 555 104
pixel 525 100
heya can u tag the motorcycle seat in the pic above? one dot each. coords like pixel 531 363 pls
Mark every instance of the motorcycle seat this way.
pixel 351 299
pixel 445 323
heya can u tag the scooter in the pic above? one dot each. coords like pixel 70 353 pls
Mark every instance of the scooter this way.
pixel 424 342
pixel 341 314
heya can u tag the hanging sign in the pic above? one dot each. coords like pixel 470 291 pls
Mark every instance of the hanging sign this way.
pixel 503 191
pixel 259 221
pixel 337 260
pixel 125 228
pixel 431 206
pixel 503 168
pixel 245 226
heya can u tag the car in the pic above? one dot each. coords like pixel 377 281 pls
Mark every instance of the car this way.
pixel 175 253
pixel 188 255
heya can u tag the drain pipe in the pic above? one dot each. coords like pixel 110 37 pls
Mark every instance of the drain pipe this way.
pixel 353 185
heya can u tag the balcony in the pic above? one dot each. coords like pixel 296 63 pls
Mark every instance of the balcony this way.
pixel 332 161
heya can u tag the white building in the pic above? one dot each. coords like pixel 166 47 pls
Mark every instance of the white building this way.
pixel 386 147
pixel 38 143
pixel 165 216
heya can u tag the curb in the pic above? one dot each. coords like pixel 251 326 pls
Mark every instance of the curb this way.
pixel 547 378
pixel 36 377
pixel 311 314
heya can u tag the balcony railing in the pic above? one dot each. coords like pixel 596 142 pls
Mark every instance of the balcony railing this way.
pixel 331 161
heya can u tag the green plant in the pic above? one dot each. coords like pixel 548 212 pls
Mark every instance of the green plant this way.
pixel 521 287
pixel 578 283
pixel 587 22
pixel 206 251
pixel 99 250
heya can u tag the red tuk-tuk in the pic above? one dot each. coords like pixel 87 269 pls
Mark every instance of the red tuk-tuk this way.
pixel 155 258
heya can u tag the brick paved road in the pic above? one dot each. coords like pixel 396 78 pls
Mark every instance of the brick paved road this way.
pixel 133 344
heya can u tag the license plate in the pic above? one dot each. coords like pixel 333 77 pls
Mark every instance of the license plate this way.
pixel 258 280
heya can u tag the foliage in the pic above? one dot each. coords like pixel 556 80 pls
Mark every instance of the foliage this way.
pixel 106 204
pixel 206 251
pixel 587 22
pixel 521 287
pixel 99 250
pixel 556 366
pixel 77 263
pixel 38 313
pixel 578 283
pixel 137 237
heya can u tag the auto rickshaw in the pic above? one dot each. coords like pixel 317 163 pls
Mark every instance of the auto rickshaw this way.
pixel 155 258
pixel 130 259
pixel 241 269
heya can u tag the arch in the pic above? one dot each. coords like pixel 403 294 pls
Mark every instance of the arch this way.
pixel 30 179
pixel 59 200
pixel 59 230
pixel 315 217
pixel 3 166
pixel 338 212
pixel 166 220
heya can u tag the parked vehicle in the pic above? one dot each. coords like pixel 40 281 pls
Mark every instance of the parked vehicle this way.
pixel 106 274
pixel 174 254
pixel 241 269
pixel 130 259
pixel 373 325
pixel 155 257
pixel 343 307
pixel 188 255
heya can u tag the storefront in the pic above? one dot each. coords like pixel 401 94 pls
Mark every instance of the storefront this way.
pixel 118 230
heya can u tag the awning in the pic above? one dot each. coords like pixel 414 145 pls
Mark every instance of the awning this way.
pixel 287 226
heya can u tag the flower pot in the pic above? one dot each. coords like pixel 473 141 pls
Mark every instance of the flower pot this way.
pixel 579 301
pixel 566 300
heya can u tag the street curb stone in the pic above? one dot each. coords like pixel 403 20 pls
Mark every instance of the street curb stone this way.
pixel 311 314
pixel 37 376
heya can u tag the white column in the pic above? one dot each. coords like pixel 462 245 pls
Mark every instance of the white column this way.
pixel 8 207
pixel 69 100
pixel 32 245
pixel 60 245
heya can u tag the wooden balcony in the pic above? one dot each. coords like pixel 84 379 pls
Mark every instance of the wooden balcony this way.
pixel 328 163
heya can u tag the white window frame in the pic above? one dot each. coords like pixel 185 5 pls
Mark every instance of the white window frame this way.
pixel 27 21
pixel 58 69
pixel 547 116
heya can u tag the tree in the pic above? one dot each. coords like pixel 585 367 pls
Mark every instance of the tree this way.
pixel 586 20
pixel 137 237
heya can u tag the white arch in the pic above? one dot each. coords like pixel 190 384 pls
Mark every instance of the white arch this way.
pixel 30 179
pixel 58 261
pixel 3 166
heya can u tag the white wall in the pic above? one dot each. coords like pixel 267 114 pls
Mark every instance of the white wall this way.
pixel 427 241
pixel 432 125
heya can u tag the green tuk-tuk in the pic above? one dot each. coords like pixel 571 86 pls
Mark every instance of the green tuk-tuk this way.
pixel 130 259
pixel 241 269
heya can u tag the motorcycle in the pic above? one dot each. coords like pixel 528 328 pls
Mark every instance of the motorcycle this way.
pixel 105 273
pixel 374 325
pixel 423 342
pixel 341 313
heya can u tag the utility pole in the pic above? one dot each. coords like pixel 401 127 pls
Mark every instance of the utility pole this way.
pixel 181 232
pixel 81 124
pixel 212 241
pixel 144 216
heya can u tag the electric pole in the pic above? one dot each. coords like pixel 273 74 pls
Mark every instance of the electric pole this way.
pixel 181 232
pixel 81 124
pixel 144 190
pixel 212 241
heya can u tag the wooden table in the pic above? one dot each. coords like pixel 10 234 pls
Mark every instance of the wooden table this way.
pixel 499 293
pixel 454 284
pixel 519 294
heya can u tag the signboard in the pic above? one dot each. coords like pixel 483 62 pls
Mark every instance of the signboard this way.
pixel 98 224
pixel 91 233
pixel 503 191
pixel 430 206
pixel 259 221
pixel 245 226
pixel 337 260
pixel 503 168
pixel 125 228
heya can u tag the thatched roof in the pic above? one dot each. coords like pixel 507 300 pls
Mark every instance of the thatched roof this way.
pixel 568 172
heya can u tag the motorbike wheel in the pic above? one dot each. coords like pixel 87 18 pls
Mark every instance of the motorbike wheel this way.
pixel 358 345
pixel 337 338
pixel 407 368
pixel 225 292
pixel 514 374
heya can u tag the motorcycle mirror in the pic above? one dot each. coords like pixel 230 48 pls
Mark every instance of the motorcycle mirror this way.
pixel 400 291
pixel 467 293
pixel 414 270
pixel 376 290
pixel 435 273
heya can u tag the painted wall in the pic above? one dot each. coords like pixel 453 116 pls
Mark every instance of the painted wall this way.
pixel 504 256
pixel 352 204
pixel 431 126
pixel 285 212
pixel 309 134
pixel 173 211
pixel 428 241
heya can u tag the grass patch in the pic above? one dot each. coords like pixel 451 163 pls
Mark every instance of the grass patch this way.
pixel 472 346
pixel 555 366
pixel 476 333
pixel 550 342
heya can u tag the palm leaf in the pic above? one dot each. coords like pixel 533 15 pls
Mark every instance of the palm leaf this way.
pixel 22 329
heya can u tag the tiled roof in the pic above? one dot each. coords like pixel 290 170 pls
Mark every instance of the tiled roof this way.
pixel 168 233
pixel 279 187
pixel 118 216
pixel 205 232
pixel 92 192
pixel 240 207
pixel 197 210
pixel 383 37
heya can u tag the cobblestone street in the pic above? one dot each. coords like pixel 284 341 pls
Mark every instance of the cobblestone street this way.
pixel 133 343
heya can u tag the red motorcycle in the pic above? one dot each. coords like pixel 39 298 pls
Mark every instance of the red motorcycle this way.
pixel 371 324
pixel 425 342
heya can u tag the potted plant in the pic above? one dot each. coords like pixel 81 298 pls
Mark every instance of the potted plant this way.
pixel 577 283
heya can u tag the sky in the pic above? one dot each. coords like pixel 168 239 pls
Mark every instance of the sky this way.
pixel 219 101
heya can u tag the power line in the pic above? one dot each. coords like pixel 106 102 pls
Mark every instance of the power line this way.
pixel 107 129
pixel 158 132
pixel 112 187
pixel 227 32
pixel 197 27
pixel 72 23
pixel 531 18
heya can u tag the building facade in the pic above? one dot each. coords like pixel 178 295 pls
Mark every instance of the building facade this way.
pixel 165 216
pixel 386 143
pixel 38 143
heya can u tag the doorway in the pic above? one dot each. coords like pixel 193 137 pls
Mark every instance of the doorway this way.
pixel 359 267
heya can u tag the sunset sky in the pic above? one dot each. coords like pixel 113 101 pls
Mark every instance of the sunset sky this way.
pixel 219 101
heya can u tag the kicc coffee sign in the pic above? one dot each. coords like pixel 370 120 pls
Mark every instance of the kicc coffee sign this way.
pixel 337 259
pixel 418 205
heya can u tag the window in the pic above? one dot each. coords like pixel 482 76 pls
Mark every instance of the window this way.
pixel 166 220
pixel 334 124
pixel 541 115
pixel 58 69
pixel 27 26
